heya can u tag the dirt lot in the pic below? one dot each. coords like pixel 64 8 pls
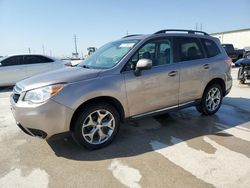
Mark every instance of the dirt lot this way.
pixel 180 149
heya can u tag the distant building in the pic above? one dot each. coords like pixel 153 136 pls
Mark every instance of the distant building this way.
pixel 239 38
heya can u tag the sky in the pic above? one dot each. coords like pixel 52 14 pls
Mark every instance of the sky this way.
pixel 33 24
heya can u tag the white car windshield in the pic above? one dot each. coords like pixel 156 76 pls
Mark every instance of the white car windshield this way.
pixel 108 55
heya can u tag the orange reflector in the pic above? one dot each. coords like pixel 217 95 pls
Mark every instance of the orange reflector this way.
pixel 56 89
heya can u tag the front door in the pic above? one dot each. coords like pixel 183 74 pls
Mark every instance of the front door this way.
pixel 156 88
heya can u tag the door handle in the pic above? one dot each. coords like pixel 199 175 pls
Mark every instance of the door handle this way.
pixel 172 73
pixel 206 66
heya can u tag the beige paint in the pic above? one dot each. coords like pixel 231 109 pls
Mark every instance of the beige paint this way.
pixel 240 39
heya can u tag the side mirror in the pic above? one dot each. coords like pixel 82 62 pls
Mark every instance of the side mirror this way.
pixel 142 64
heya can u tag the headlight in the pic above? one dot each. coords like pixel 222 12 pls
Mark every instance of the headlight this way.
pixel 42 94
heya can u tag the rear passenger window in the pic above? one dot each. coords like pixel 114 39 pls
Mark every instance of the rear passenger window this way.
pixel 36 59
pixel 211 48
pixel 187 49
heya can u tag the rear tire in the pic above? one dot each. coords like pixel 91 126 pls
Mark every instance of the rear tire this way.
pixel 96 126
pixel 211 100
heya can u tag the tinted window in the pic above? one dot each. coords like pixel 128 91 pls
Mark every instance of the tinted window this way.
pixel 45 59
pixel 164 53
pixel 16 60
pixel 211 48
pixel 34 59
pixel 158 51
pixel 187 49
pixel 228 47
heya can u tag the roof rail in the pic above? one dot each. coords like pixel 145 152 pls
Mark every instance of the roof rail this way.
pixel 181 30
pixel 131 35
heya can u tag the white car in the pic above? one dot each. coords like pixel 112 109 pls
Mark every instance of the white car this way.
pixel 14 68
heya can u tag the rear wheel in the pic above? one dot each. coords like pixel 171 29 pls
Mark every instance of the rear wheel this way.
pixel 211 100
pixel 96 126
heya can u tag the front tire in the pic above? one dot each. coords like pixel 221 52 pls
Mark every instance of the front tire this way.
pixel 211 100
pixel 96 126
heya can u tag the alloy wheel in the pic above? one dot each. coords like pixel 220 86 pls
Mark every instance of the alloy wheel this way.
pixel 98 127
pixel 213 99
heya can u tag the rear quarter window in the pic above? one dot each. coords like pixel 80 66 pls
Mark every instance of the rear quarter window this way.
pixel 211 47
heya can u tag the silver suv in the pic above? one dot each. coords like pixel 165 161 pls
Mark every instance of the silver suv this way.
pixel 134 77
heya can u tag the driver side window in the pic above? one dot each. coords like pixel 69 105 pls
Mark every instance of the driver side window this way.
pixel 145 52
pixel 158 51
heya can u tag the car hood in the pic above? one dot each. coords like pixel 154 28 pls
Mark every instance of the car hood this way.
pixel 63 75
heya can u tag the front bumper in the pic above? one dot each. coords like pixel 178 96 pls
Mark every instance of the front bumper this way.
pixel 42 120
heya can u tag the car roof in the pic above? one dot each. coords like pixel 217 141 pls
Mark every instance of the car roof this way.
pixel 27 54
pixel 135 37
pixel 141 37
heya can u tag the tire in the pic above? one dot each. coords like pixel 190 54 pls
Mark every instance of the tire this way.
pixel 96 126
pixel 242 81
pixel 240 73
pixel 211 100
pixel 198 108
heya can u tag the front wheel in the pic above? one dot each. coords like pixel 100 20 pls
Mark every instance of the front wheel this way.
pixel 96 126
pixel 211 100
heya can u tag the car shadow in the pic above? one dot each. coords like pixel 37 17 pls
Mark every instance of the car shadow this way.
pixel 134 137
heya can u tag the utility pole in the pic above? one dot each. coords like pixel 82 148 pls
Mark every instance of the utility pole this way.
pixel 29 50
pixel 198 26
pixel 43 50
pixel 76 53
pixel 50 52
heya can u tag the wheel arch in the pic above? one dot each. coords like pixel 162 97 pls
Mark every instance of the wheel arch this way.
pixel 110 100
pixel 219 81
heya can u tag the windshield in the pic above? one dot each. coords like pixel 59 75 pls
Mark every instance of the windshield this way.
pixel 109 55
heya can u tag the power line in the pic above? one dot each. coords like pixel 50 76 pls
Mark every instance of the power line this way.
pixel 43 50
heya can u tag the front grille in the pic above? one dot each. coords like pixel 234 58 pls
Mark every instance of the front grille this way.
pixel 15 97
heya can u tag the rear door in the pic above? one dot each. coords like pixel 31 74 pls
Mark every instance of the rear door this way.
pixel 11 70
pixel 189 54
pixel 37 64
